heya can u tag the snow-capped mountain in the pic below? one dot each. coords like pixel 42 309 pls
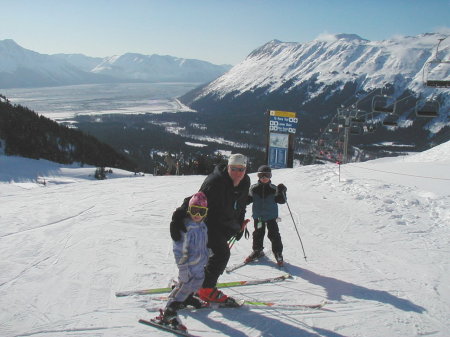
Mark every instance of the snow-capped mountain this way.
pixel 20 67
pixel 317 77
pixel 335 58
pixel 159 68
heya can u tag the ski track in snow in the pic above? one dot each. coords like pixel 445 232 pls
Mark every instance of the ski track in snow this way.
pixel 377 250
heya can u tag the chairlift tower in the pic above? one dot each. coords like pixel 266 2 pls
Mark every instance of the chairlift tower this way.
pixel 346 139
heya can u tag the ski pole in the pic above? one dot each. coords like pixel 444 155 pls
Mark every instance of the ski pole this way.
pixel 295 226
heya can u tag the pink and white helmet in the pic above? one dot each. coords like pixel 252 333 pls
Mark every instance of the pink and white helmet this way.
pixel 198 199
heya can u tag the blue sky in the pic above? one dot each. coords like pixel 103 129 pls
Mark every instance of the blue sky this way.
pixel 218 31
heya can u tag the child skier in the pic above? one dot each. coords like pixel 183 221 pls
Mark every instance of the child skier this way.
pixel 191 256
pixel 265 197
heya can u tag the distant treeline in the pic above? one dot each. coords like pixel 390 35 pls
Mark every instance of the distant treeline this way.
pixel 145 138
pixel 27 134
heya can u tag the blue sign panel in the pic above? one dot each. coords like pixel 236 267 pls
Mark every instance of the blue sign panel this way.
pixel 278 150
pixel 277 157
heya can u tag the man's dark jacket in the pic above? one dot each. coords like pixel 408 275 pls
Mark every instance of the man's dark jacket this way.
pixel 226 203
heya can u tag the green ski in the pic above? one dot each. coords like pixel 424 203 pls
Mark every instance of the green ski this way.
pixel 219 285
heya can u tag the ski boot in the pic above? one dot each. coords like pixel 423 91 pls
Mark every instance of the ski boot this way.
pixel 256 254
pixel 216 297
pixel 194 302
pixel 169 317
pixel 279 258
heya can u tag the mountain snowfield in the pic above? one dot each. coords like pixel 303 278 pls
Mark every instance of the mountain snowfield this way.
pixel 376 238
pixel 339 58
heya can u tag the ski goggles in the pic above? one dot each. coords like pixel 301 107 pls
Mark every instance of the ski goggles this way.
pixel 197 210
pixel 237 169
pixel 264 175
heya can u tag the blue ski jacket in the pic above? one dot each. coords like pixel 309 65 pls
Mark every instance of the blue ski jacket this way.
pixel 265 201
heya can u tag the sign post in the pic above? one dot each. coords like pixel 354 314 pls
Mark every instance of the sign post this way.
pixel 280 142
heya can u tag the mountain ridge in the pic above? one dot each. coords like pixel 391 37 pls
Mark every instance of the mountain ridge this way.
pixel 281 61
pixel 21 67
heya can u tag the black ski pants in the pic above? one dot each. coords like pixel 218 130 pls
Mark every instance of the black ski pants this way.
pixel 218 261
pixel 273 235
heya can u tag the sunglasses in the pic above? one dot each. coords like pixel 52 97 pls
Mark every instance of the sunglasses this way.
pixel 237 169
pixel 265 175
pixel 197 210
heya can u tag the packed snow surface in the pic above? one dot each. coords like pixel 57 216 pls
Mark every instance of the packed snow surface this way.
pixel 376 238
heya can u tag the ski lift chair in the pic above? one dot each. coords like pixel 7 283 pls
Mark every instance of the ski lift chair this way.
pixel 390 120
pixel 438 83
pixel 355 130
pixel 429 109
pixel 430 78
pixel 380 103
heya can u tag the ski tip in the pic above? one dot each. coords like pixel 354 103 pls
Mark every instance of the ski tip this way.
pixel 123 293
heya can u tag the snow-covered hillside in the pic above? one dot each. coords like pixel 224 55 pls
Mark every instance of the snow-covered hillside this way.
pixel 376 239
pixel 335 58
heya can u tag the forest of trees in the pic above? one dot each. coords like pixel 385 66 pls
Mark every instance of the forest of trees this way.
pixel 27 134
pixel 145 138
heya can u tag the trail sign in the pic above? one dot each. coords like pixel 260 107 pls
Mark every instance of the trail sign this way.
pixel 283 121
pixel 280 142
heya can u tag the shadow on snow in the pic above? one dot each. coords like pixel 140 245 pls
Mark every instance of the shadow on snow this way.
pixel 336 289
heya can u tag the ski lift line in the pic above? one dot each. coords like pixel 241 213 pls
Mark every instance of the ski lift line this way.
pixel 400 174
pixel 363 98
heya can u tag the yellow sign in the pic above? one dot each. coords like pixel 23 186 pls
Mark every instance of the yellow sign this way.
pixel 283 113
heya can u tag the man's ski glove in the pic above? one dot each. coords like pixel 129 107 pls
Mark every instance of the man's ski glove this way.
pixel 243 230
pixel 281 189
pixel 177 224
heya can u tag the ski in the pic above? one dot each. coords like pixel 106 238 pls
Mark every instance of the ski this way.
pixel 243 263
pixel 219 285
pixel 250 304
pixel 237 266
pixel 258 304
pixel 165 328
pixel 281 266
